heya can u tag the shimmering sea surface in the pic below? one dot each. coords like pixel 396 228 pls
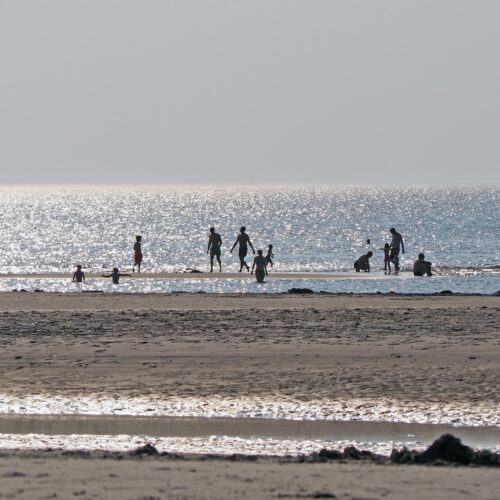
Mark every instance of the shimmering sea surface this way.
pixel 50 229
pixel 482 283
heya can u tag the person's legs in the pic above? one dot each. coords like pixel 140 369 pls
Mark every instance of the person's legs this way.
pixel 259 275
pixel 137 262
pixel 212 262
pixel 219 261
pixel 242 254
pixel 395 258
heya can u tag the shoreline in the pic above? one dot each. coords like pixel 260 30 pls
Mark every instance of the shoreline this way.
pixel 98 301
pixel 211 276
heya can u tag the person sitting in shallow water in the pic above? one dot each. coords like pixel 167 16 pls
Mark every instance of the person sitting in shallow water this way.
pixel 363 263
pixel 115 275
pixel 421 266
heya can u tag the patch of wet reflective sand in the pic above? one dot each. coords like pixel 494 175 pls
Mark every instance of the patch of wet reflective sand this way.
pixel 245 428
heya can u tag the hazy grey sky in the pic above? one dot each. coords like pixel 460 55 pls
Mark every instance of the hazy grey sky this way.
pixel 317 92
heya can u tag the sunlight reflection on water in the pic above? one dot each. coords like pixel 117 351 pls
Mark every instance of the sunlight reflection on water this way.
pixel 312 229
pixel 485 283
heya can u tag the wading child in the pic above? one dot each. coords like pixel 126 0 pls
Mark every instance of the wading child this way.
pixel 116 275
pixel 387 258
pixel 270 255
pixel 137 254
pixel 79 275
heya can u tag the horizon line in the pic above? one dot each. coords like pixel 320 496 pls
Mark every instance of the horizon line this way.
pixel 253 185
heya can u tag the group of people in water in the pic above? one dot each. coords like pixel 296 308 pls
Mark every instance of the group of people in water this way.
pixel 260 262
pixel 421 267
pixel 391 250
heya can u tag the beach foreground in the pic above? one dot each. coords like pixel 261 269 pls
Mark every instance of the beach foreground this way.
pixel 55 475
pixel 384 357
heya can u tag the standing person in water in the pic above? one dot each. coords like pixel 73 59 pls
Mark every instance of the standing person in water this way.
pixel 214 244
pixel 396 245
pixel 260 266
pixel 79 275
pixel 116 275
pixel 270 255
pixel 137 254
pixel 387 258
pixel 243 240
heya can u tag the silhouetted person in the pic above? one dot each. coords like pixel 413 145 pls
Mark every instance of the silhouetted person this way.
pixel 387 258
pixel 243 240
pixel 260 266
pixel 421 266
pixel 79 275
pixel 137 254
pixel 270 255
pixel 363 263
pixel 214 244
pixel 116 275
pixel 396 245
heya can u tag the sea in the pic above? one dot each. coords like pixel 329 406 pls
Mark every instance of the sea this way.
pixel 45 231
pixel 50 229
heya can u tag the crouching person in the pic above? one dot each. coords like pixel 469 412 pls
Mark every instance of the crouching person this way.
pixel 363 263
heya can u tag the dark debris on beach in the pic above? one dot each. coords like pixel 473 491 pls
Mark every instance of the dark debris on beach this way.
pixel 446 450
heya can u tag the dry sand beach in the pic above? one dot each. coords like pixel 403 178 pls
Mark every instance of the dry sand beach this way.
pixel 386 358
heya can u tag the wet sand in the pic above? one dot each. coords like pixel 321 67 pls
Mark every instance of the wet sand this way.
pixel 479 437
pixel 364 357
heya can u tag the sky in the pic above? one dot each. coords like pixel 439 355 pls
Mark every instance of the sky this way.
pixel 247 92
